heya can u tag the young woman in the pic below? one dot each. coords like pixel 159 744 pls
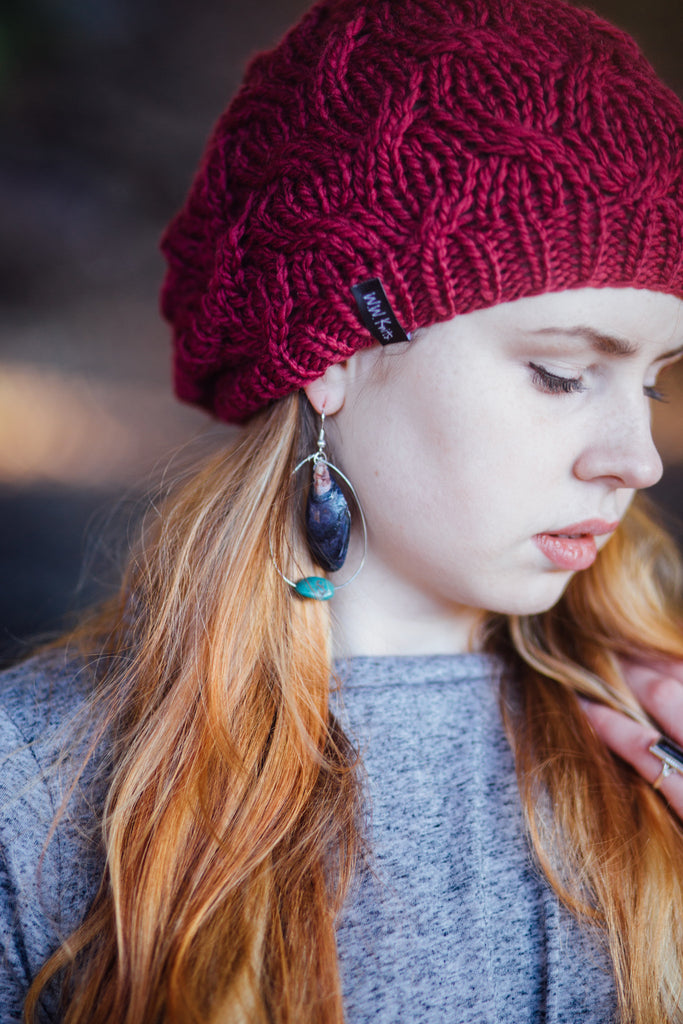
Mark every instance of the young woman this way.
pixel 344 747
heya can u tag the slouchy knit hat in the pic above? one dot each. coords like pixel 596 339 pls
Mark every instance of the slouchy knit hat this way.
pixel 463 152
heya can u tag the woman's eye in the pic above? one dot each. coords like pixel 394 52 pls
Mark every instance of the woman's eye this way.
pixel 553 384
pixel 655 394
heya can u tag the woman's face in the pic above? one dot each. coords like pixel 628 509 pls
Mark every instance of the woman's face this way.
pixel 476 445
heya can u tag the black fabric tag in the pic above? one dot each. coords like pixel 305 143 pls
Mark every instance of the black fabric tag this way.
pixel 376 312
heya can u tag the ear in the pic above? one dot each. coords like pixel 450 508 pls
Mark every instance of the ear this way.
pixel 329 391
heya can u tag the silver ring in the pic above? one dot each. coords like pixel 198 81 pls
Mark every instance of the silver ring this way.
pixel 666 771
pixel 671 756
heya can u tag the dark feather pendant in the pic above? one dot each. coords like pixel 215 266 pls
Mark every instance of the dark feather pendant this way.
pixel 328 520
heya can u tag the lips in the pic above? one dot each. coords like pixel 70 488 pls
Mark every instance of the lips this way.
pixel 573 547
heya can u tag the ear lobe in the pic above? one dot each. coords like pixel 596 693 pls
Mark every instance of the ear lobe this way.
pixel 329 391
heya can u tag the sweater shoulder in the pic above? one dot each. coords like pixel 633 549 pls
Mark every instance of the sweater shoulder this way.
pixel 39 695
pixel 47 875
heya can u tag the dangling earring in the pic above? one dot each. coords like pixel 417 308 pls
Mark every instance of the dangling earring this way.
pixel 328 519
pixel 327 523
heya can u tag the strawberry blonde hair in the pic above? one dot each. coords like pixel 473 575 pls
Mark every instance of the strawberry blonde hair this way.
pixel 232 819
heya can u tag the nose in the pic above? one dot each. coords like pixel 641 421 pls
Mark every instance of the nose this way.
pixel 622 451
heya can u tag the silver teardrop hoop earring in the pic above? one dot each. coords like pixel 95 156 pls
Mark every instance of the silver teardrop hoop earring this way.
pixel 327 524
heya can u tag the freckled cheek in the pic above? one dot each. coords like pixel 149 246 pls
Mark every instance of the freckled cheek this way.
pixel 405 491
pixel 526 446
pixel 503 483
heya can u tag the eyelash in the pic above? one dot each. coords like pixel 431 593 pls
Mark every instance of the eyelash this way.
pixel 553 384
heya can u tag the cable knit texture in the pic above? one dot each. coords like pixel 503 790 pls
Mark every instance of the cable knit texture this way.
pixel 465 152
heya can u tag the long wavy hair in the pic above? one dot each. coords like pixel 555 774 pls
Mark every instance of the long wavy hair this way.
pixel 232 822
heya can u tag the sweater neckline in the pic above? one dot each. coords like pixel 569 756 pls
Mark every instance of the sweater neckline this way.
pixel 408 669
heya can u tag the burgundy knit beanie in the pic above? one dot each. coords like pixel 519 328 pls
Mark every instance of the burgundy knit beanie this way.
pixel 463 152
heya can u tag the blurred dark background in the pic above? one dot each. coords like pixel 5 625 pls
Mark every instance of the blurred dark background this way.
pixel 104 109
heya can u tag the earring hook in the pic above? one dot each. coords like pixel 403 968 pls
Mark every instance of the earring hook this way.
pixel 322 444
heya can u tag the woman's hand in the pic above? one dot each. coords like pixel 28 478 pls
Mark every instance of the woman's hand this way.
pixel 659 689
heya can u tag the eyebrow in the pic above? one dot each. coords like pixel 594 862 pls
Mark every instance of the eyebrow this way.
pixel 607 344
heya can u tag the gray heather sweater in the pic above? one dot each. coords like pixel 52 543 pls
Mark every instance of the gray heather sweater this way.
pixel 452 924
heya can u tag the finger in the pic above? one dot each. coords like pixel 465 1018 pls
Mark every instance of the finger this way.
pixel 630 741
pixel 661 695
pixel 656 666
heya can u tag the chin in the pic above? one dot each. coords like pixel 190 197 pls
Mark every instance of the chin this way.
pixel 534 600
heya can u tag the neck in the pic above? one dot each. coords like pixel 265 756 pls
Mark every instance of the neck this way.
pixel 382 614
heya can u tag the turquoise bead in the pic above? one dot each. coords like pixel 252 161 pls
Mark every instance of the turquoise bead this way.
pixel 315 587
